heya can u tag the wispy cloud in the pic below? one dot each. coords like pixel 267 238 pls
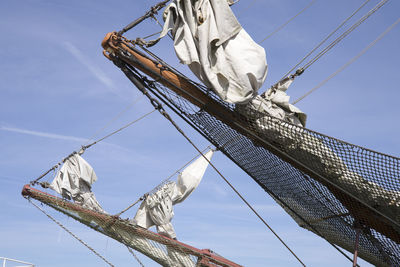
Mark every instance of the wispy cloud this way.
pixel 43 134
pixel 97 72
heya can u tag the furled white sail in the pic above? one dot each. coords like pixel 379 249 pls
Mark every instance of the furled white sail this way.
pixel 74 181
pixel 157 208
pixel 208 38
pixel 275 102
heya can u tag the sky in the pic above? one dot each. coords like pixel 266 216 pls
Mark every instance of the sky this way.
pixel 57 91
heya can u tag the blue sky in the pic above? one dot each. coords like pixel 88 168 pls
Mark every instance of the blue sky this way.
pixel 57 90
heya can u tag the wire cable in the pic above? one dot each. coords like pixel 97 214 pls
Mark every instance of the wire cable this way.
pixel 349 62
pixel 326 38
pixel 288 21
pixel 341 37
pixel 72 234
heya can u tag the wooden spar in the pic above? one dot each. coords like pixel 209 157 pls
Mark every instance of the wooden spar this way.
pixel 113 44
pixel 206 257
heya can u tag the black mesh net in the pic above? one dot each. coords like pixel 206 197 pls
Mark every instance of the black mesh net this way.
pixel 328 186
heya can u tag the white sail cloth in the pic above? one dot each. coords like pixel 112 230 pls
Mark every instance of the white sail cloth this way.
pixel 208 38
pixel 74 181
pixel 157 208
pixel 275 102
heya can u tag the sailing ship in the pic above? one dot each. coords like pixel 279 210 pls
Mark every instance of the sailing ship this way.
pixel 344 193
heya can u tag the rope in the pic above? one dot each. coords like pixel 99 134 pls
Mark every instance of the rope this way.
pixel 325 39
pixel 116 117
pixel 72 234
pixel 287 22
pixel 135 256
pixel 130 206
pixel 120 129
pixel 159 185
pixel 83 149
pixel 162 111
pixel 248 7
pixel 349 62
pixel 341 37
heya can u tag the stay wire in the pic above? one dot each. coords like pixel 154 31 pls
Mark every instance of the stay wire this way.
pixel 325 39
pixel 69 232
pixel 349 62
pixel 120 129
pixel 160 184
pixel 135 256
pixel 288 21
pixel 83 149
pixel 343 35
pixel 247 8
pixel 116 117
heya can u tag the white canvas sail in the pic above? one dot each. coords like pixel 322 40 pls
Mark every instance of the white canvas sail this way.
pixel 157 208
pixel 209 39
pixel 74 181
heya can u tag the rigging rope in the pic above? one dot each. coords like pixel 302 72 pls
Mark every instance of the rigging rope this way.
pixel 135 256
pixel 349 62
pixel 326 38
pixel 120 129
pixel 36 181
pixel 287 22
pixel 248 7
pixel 135 79
pixel 159 185
pixel 69 232
pixel 116 117
pixel 337 40
pixel 341 37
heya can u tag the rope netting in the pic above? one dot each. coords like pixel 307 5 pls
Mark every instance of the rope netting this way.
pixel 163 250
pixel 328 186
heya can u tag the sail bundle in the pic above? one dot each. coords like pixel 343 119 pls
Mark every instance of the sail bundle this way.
pixel 74 182
pixel 209 39
pixel 157 208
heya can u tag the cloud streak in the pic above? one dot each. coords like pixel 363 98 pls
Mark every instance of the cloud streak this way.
pixel 97 72
pixel 43 134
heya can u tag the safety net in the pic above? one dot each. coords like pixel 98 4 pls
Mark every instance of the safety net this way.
pixel 163 250
pixel 330 187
